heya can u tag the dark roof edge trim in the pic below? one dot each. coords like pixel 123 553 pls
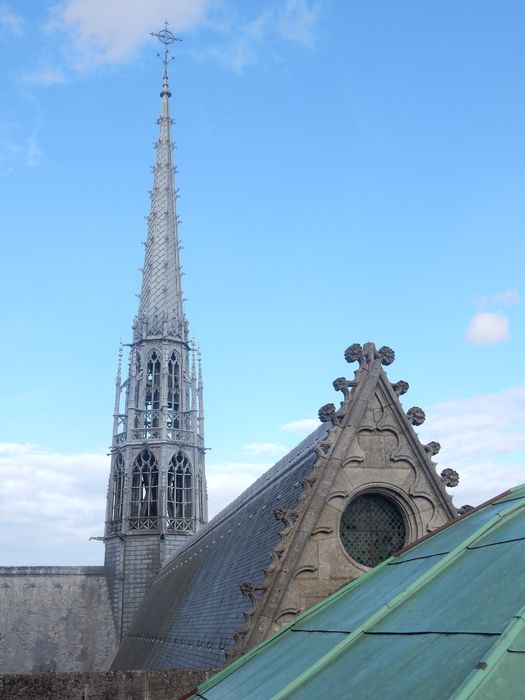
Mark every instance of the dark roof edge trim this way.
pixel 451 522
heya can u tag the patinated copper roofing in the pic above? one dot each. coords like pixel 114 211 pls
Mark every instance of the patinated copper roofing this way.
pixel 444 618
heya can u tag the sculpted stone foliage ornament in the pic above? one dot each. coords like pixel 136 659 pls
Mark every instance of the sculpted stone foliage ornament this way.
pixel 450 477
pixel 432 448
pixel 284 515
pixel 416 415
pixel 354 353
pixel 327 413
pixel 401 387
pixel 251 590
pixel 387 355
pixel 340 383
pixel 465 509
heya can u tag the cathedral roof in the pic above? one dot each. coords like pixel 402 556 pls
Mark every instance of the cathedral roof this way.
pixel 441 619
pixel 226 588
pixel 192 611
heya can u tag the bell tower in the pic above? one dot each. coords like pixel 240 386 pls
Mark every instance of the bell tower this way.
pixel 157 495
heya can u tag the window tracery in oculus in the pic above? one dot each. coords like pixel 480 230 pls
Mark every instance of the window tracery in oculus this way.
pixel 372 528
pixel 180 492
pixel 145 486
pixel 117 488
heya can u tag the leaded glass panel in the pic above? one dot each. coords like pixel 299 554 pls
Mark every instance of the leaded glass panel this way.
pixel 372 529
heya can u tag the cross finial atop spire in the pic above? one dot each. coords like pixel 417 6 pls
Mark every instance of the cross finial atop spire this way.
pixel 167 38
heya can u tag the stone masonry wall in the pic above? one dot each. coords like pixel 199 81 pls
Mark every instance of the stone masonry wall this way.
pixel 54 619
pixel 116 685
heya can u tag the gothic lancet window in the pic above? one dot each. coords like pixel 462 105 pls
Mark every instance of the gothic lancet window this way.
pixel 180 491
pixel 145 486
pixel 173 391
pixel 138 374
pixel 117 488
pixel 152 396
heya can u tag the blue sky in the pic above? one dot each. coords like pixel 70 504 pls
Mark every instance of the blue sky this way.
pixel 348 172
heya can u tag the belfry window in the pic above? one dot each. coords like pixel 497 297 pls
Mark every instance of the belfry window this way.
pixel 173 391
pixel 372 528
pixel 138 374
pixel 117 488
pixel 152 395
pixel 145 486
pixel 180 491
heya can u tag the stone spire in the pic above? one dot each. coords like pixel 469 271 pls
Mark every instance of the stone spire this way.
pixel 161 309
pixel 157 487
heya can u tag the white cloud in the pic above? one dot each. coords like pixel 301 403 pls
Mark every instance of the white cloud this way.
pixel 483 438
pixel 10 21
pixel 306 425
pixel 100 32
pixel 50 505
pixel 487 328
pixel 33 152
pixel 244 41
pixel 111 32
pixel 266 448
pixel 510 297
pixel 45 76
pixel 296 21
pixel 227 480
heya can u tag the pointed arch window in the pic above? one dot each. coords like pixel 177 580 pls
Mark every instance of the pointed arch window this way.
pixel 152 396
pixel 173 391
pixel 117 491
pixel 144 491
pixel 180 488
pixel 138 375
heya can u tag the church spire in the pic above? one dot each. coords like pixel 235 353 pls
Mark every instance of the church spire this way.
pixel 157 486
pixel 161 310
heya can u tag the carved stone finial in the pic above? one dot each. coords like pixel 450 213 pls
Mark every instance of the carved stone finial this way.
pixel 416 415
pixel 465 509
pixel 327 413
pixel 340 383
pixel 354 353
pixel 387 355
pixel 401 387
pixel 450 477
pixel 432 448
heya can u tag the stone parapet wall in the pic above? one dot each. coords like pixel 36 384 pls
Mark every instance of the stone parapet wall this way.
pixel 54 619
pixel 112 685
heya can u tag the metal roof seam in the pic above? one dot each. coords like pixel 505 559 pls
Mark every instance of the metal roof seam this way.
pixel 492 544
pixel 443 563
pixel 488 663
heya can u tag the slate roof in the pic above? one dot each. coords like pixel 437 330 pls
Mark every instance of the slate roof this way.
pixel 176 626
pixel 445 618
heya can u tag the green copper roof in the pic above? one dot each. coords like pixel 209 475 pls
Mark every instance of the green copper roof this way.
pixel 443 619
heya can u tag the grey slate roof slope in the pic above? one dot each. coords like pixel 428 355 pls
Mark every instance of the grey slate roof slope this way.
pixel 176 626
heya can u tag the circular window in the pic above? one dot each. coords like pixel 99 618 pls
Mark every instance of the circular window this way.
pixel 372 529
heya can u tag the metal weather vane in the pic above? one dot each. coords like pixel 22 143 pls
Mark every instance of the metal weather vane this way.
pixel 166 37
